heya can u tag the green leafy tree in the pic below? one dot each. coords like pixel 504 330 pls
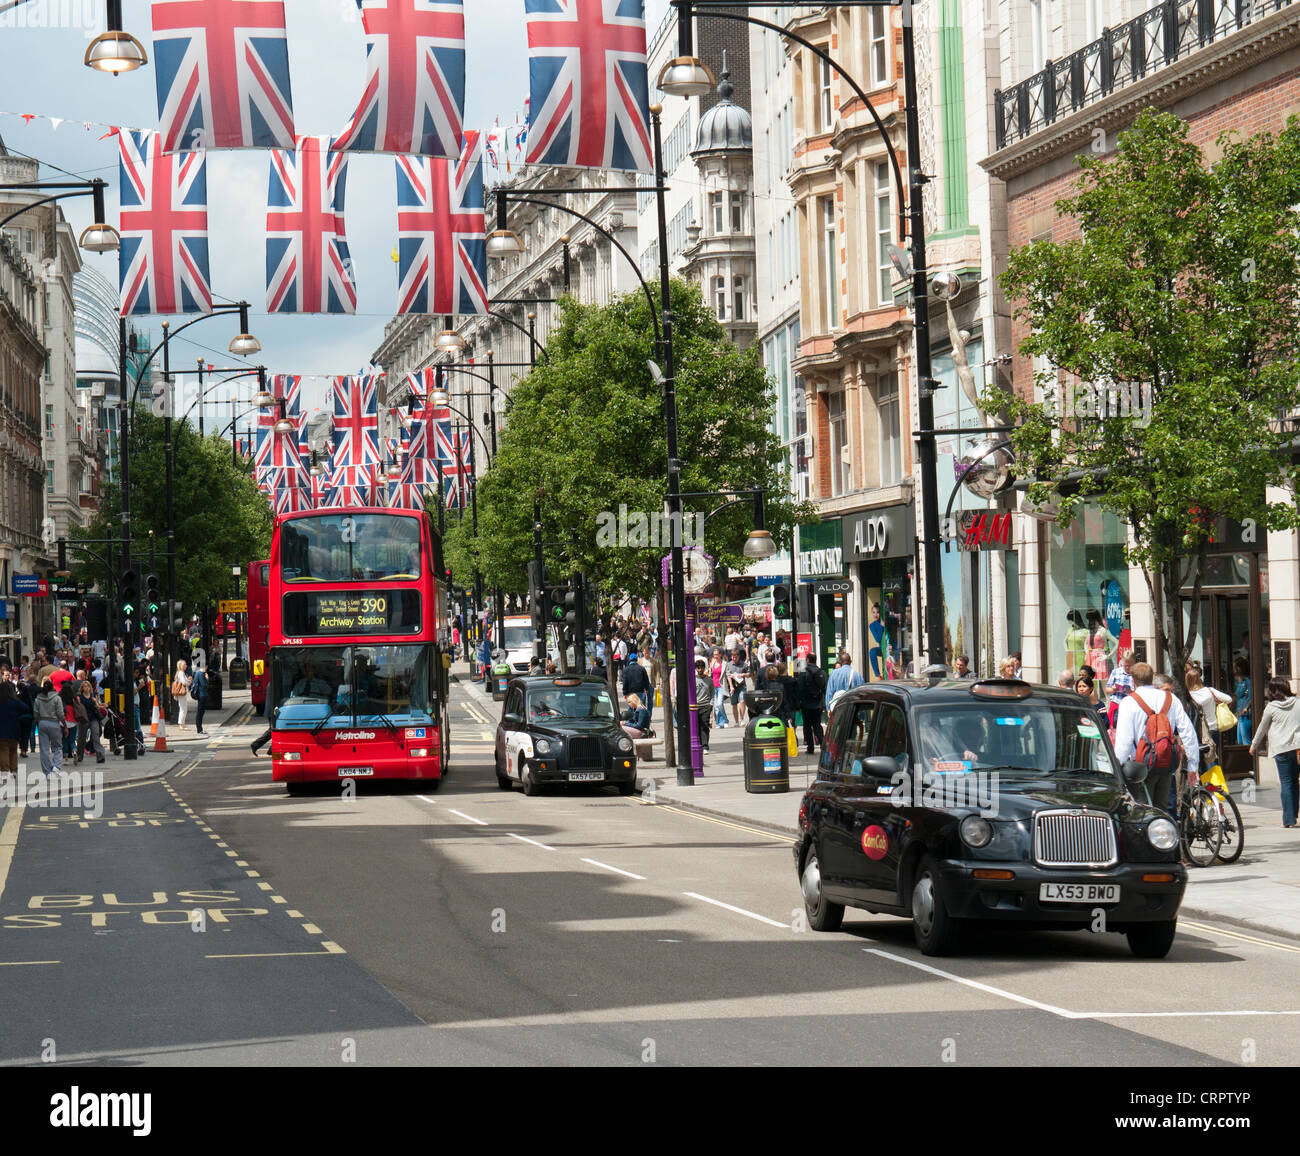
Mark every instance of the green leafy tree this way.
pixel 1177 306
pixel 586 432
pixel 221 518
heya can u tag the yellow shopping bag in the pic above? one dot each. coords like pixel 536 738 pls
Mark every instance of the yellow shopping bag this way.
pixel 1214 778
pixel 791 742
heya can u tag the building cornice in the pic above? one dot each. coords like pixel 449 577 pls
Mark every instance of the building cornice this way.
pixel 1163 88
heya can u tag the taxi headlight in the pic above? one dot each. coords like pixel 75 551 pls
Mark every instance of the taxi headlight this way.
pixel 625 743
pixel 1162 834
pixel 542 747
pixel 976 831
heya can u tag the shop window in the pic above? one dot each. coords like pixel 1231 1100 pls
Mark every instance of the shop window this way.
pixel 889 433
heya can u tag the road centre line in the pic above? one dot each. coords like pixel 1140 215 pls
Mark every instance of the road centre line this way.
pixel 534 842
pixel 738 910
pixel 721 822
pixel 468 818
pixel 616 870
pixel 1063 1013
pixel 1237 935
pixel 27 962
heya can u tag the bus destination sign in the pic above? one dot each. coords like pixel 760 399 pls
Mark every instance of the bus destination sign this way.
pixel 352 612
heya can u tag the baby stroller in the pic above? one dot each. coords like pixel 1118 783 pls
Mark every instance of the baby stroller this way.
pixel 114 727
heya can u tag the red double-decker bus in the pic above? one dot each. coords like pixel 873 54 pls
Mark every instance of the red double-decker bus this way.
pixel 358 683
pixel 259 577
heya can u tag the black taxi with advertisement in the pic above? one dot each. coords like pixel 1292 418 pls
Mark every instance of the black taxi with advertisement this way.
pixel 560 730
pixel 952 801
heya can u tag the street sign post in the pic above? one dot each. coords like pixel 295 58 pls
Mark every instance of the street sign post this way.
pixel 233 605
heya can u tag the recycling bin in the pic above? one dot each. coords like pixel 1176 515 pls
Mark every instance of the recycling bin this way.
pixel 767 763
pixel 500 679
pixel 238 674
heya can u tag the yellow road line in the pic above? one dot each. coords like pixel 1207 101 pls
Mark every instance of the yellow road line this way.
pixel 27 962
pixel 330 949
pixel 721 822
pixel 9 843
pixel 1237 935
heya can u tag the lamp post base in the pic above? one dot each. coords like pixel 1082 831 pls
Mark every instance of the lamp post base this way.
pixel 685 776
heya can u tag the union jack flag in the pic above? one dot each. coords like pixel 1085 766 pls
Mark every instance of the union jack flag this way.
pixel 164 226
pixel 290 493
pixel 414 99
pixel 453 452
pixel 356 423
pixel 589 101
pixel 441 249
pixel 222 72
pixel 289 387
pixel 308 269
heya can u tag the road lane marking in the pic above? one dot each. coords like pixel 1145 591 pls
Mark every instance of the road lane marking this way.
pixel 9 843
pixel 616 870
pixel 425 798
pixel 1237 935
pixel 738 910
pixel 721 822
pixel 535 843
pixel 27 962
pixel 1065 1013
pixel 331 949
pixel 469 818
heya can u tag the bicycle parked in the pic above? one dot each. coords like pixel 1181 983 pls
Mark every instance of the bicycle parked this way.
pixel 1230 824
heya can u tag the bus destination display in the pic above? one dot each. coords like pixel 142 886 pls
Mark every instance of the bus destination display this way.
pixel 352 612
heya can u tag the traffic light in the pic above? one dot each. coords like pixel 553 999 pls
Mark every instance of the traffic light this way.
pixel 152 597
pixel 574 610
pixel 128 585
pixel 175 616
pixel 781 600
pixel 555 607
pixel 537 595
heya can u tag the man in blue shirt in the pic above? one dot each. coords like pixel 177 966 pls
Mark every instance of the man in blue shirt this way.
pixel 843 677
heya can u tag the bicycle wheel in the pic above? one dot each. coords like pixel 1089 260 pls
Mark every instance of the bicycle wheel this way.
pixel 1234 831
pixel 1201 830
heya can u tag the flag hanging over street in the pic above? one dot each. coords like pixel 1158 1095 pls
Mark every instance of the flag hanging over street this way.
pixel 414 99
pixel 222 73
pixel 289 387
pixel 441 247
pixel 308 269
pixel 589 101
pixel 356 424
pixel 164 226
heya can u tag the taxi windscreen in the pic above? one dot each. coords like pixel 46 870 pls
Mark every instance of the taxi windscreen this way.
pixel 552 703
pixel 1028 734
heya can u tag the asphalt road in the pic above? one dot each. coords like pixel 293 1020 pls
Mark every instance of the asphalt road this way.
pixel 213 919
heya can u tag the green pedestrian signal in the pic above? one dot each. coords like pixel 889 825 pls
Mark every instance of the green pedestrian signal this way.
pixel 781 601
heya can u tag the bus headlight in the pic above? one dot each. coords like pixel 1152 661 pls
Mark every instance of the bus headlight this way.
pixel 292 756
pixel 419 752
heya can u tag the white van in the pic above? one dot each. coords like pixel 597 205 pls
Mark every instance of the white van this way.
pixel 520 636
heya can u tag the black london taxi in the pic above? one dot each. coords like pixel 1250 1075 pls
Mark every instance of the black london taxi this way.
pixel 558 730
pixel 954 801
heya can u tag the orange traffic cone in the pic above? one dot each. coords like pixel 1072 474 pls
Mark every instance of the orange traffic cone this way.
pixel 153 726
pixel 160 740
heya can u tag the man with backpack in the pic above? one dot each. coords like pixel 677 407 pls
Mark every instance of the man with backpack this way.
pixel 812 694
pixel 1153 728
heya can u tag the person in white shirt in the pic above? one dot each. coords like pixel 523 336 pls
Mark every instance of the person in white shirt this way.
pixel 1208 699
pixel 1131 725
pixel 731 642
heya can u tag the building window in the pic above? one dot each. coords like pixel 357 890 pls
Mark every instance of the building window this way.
pixel 879 47
pixel 1092 20
pixel 49 477
pixel 830 263
pixel 737 214
pixel 1038 32
pixel 720 296
pixel 884 235
pixel 824 96
pixel 840 470
pixel 738 294
pixel 715 207
pixel 890 435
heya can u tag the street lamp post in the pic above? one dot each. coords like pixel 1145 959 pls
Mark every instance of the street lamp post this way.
pixel 687 76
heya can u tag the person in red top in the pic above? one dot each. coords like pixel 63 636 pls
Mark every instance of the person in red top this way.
pixel 61 675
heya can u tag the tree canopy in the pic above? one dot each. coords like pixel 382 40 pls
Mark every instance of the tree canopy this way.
pixel 1169 333
pixel 586 431
pixel 221 518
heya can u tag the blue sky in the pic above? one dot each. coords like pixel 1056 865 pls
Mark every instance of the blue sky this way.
pixel 41 71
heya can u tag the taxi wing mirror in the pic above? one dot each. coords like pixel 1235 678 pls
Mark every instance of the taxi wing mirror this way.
pixel 1135 772
pixel 511 717
pixel 880 766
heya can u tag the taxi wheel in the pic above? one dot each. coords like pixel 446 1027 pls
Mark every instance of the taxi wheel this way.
pixel 823 915
pixel 531 787
pixel 1152 940
pixel 936 932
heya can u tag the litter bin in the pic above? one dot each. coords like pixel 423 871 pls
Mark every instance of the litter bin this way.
pixel 238 674
pixel 214 690
pixel 500 677
pixel 767 762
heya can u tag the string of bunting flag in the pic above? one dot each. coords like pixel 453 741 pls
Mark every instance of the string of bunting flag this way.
pixel 223 82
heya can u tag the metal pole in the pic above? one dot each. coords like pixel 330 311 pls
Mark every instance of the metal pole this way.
pixel 532 338
pixel 677 608
pixel 567 269
pixel 921 327
pixel 171 514
pixel 200 398
pixel 492 412
pixel 234 436
pixel 541 576
pixel 128 652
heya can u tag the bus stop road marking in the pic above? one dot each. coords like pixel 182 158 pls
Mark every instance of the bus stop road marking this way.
pixel 9 843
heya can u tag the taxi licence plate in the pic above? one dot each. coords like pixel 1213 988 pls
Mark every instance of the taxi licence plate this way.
pixel 355 771
pixel 1078 892
pixel 586 776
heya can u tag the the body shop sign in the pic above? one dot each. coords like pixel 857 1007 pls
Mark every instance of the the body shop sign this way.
pixel 821 554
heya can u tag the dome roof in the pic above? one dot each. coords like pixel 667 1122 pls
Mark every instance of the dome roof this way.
pixel 726 127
